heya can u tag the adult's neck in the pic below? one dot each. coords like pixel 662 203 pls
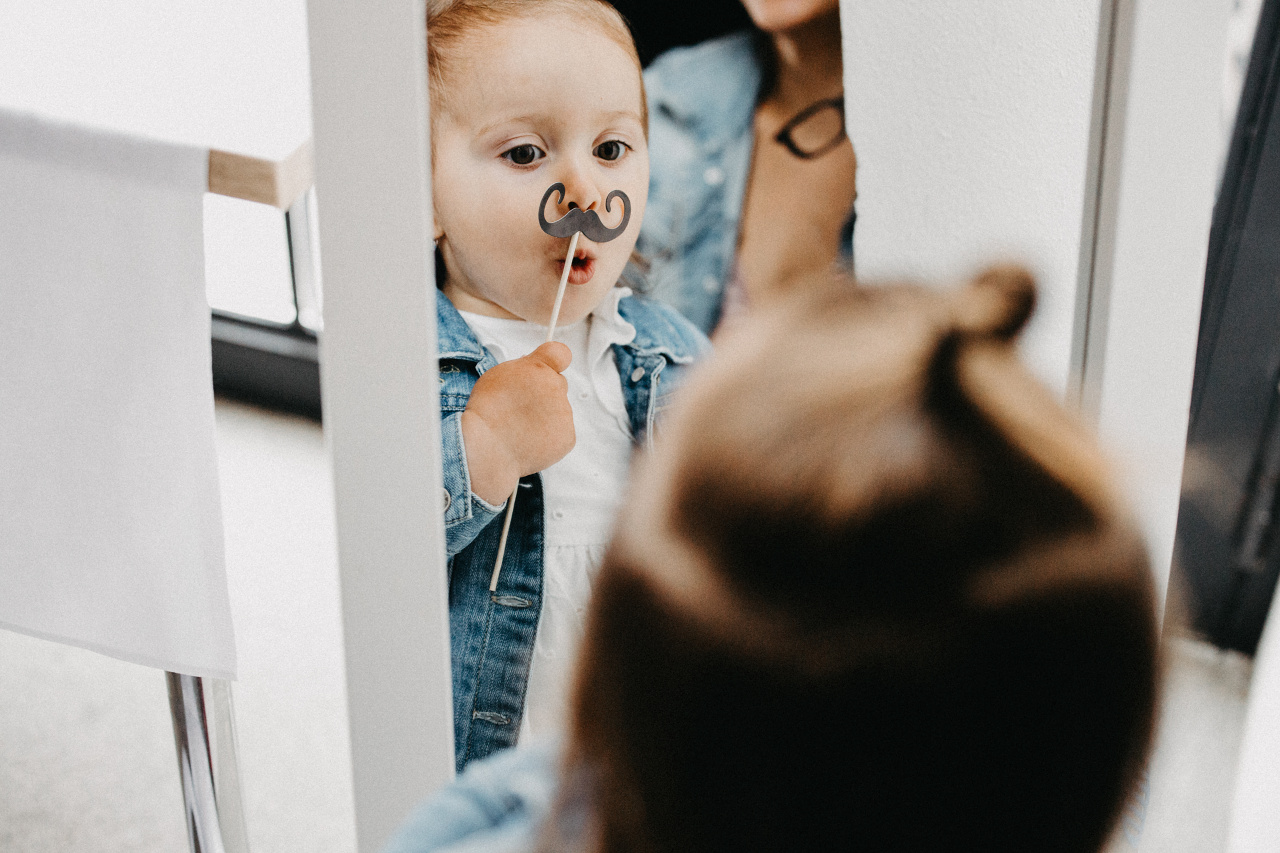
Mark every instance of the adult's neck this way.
pixel 809 63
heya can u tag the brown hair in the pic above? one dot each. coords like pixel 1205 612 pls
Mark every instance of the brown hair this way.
pixel 448 21
pixel 873 592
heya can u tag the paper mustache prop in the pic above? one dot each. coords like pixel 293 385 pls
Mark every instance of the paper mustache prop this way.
pixel 573 224
pixel 586 222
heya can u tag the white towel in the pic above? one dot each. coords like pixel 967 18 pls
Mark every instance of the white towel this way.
pixel 110 522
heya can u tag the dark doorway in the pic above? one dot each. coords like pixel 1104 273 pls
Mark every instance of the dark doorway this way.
pixel 659 25
pixel 1228 550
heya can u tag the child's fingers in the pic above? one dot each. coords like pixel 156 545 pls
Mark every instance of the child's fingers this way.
pixel 554 354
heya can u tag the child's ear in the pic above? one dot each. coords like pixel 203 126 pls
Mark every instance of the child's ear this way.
pixel 436 231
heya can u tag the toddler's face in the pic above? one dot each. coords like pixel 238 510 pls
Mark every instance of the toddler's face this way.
pixel 530 103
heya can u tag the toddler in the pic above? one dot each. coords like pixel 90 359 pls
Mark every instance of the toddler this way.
pixel 525 95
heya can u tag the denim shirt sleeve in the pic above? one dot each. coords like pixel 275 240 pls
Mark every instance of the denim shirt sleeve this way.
pixel 498 804
pixel 465 513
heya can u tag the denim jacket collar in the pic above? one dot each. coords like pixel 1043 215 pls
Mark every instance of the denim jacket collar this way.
pixel 492 633
pixel 456 340
pixel 713 88
pixel 655 335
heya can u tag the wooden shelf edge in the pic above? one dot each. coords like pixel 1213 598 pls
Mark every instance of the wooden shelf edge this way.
pixel 277 183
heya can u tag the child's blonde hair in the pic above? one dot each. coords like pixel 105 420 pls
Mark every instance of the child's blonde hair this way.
pixel 449 21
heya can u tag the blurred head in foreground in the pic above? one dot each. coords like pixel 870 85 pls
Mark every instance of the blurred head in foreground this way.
pixel 874 592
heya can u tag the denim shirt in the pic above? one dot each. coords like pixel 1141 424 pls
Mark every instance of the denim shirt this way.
pixel 492 634
pixel 702 103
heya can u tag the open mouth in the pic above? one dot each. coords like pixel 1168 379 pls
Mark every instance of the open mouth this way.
pixel 583 268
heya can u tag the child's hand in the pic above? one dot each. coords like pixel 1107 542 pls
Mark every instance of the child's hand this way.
pixel 518 421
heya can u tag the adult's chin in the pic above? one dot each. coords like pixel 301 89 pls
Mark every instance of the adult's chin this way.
pixel 779 16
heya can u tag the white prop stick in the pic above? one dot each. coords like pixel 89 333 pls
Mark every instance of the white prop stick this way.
pixel 551 332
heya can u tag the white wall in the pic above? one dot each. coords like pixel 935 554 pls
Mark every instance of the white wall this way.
pixel 230 75
pixel 1038 132
pixel 972 127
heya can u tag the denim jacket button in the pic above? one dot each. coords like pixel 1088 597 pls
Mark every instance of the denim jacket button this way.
pixel 448 499
pixel 710 284
pixel 637 374
pixel 714 176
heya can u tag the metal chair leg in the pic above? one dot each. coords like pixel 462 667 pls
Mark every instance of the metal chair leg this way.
pixel 215 816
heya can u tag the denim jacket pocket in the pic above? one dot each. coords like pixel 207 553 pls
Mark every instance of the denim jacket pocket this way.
pixel 456 383
pixel 665 391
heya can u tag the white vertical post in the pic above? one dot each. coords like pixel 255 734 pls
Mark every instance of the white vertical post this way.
pixel 1159 171
pixel 381 405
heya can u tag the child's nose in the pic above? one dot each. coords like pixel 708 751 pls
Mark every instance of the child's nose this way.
pixel 580 191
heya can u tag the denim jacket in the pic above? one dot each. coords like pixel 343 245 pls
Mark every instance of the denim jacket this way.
pixel 492 634
pixel 498 805
pixel 702 103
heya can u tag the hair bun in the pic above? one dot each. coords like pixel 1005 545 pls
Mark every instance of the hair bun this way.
pixel 996 304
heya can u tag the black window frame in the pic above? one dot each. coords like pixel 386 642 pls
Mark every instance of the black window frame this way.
pixel 274 365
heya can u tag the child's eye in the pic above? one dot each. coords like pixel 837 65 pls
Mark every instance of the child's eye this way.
pixel 611 150
pixel 524 155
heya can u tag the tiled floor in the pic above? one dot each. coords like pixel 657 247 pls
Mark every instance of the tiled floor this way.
pixel 86 748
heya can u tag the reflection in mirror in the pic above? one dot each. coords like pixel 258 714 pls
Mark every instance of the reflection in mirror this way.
pixel 552 370
pixel 778 184
pixel 730 199
pixel 753 177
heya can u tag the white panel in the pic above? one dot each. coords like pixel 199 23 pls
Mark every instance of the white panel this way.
pixel 381 407
pixel 110 523
pixel 972 127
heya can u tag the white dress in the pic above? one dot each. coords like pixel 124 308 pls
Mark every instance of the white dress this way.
pixel 581 492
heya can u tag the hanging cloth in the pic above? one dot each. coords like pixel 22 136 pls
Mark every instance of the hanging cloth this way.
pixel 110 522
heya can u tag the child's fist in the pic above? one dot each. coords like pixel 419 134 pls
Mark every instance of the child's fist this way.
pixel 518 421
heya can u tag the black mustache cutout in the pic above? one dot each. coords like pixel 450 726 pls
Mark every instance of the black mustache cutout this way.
pixel 586 221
